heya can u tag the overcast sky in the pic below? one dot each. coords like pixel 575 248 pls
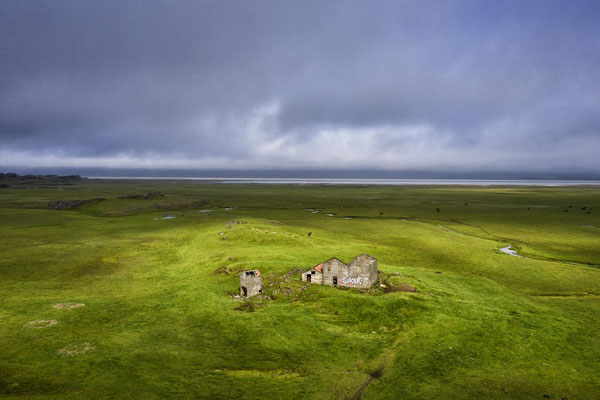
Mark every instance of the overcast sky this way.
pixel 447 85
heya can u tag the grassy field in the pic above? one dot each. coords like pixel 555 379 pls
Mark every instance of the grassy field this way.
pixel 158 320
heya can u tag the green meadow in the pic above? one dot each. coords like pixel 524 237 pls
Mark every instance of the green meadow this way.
pixel 105 301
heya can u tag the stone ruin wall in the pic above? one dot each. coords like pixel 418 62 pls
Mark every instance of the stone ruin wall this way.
pixel 252 283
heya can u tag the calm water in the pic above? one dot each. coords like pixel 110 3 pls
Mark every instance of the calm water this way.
pixel 295 181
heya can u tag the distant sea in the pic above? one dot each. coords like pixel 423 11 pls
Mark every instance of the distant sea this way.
pixel 394 182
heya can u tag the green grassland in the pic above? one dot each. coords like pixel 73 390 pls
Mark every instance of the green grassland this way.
pixel 159 321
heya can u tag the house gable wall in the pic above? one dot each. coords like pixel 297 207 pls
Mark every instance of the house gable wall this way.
pixel 315 276
pixel 333 268
pixel 365 267
pixel 360 272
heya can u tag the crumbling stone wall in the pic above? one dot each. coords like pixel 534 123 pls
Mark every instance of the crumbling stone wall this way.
pixel 149 195
pixel 68 204
pixel 250 283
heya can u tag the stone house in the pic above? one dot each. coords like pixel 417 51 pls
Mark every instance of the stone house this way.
pixel 359 273
pixel 250 283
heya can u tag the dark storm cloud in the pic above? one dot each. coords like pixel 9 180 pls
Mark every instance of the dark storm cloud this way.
pixel 464 85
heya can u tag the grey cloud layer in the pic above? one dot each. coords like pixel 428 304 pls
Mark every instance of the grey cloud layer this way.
pixel 272 84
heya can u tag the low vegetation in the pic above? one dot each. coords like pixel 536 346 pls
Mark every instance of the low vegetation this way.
pixel 113 300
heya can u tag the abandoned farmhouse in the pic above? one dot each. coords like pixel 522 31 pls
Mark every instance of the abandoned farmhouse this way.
pixel 359 273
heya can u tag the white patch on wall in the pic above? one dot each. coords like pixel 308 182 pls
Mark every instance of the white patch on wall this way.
pixel 352 281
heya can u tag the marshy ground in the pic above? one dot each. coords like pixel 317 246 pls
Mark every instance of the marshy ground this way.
pixel 132 296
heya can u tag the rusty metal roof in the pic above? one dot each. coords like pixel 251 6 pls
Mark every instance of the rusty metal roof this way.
pixel 319 267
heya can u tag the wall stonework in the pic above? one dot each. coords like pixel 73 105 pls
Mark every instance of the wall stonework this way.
pixel 250 283
pixel 360 272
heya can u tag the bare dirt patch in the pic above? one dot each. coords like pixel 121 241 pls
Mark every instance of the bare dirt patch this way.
pixel 67 306
pixel 75 349
pixel 248 306
pixel 40 323
pixel 389 286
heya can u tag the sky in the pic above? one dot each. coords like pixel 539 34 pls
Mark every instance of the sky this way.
pixel 383 85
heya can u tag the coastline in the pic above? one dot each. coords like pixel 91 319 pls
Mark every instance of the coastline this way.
pixel 390 182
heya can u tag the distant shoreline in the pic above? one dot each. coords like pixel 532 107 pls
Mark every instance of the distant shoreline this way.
pixel 392 182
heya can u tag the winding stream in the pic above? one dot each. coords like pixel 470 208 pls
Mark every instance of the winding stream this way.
pixel 165 217
pixel 508 250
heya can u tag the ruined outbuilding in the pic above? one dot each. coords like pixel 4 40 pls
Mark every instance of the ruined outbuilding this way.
pixel 250 283
pixel 358 273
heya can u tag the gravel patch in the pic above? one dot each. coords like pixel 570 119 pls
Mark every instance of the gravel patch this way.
pixel 40 323
pixel 67 306
pixel 75 349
